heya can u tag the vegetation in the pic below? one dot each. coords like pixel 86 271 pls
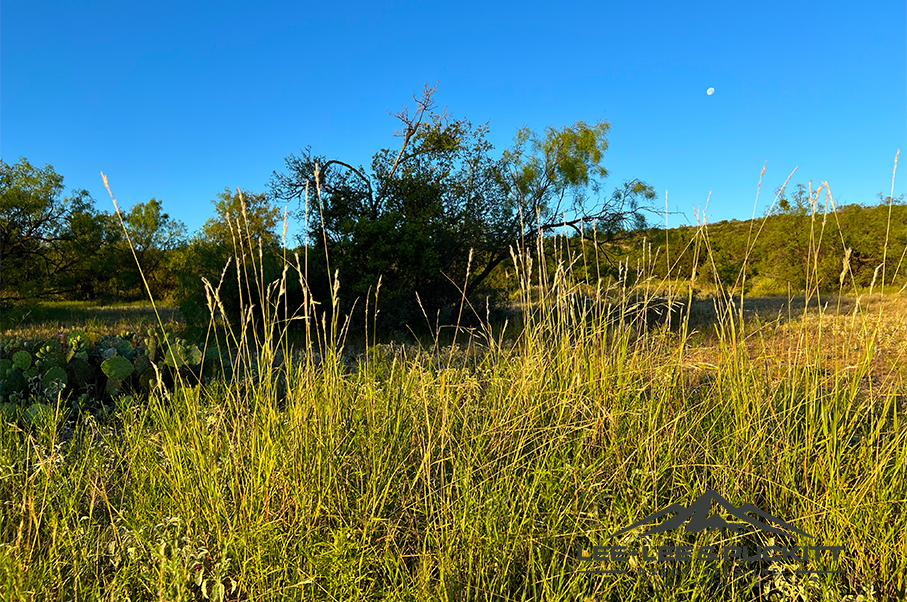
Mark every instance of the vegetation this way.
pixel 87 368
pixel 476 469
pixel 441 212
pixel 54 247
pixel 286 451
pixel 241 222
pixel 48 244
pixel 57 249
pixel 438 211
pixel 803 241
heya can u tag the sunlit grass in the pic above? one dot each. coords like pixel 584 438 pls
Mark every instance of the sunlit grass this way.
pixel 473 470
pixel 45 319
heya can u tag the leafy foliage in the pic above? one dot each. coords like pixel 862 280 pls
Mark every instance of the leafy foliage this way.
pixel 62 247
pixel 238 245
pixel 432 220
pixel 49 244
pixel 803 242
pixel 85 368
pixel 154 236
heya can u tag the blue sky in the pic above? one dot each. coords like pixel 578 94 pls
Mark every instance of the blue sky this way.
pixel 178 100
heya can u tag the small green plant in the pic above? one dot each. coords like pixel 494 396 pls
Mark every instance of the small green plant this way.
pixel 86 368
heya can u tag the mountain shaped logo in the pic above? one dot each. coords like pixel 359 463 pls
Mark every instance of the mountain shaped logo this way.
pixel 700 519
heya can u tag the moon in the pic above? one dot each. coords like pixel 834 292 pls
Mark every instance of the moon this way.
pixel 710 91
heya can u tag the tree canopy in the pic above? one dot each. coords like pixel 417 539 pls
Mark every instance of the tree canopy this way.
pixel 242 216
pixel 154 236
pixel 241 221
pixel 48 242
pixel 442 205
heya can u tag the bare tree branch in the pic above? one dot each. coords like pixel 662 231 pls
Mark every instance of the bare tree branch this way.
pixel 412 124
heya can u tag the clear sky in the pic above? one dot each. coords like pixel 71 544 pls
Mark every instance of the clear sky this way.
pixel 178 100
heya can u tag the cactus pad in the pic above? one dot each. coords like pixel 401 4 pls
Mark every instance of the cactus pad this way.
pixel 22 360
pixel 117 367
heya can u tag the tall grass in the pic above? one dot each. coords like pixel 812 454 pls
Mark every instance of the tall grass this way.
pixel 474 471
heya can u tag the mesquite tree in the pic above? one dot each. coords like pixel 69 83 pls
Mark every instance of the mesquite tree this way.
pixel 434 218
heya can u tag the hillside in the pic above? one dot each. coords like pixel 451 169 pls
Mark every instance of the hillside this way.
pixel 791 250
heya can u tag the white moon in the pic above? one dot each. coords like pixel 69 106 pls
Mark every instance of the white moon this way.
pixel 710 91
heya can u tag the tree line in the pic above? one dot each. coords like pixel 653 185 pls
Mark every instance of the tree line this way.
pixel 803 242
pixel 431 220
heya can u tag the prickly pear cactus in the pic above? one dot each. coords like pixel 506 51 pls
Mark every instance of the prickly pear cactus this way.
pixel 83 369
pixel 152 344
pixel 81 372
pixel 55 377
pixel 49 355
pixel 38 413
pixel 125 348
pixel 182 354
pixel 141 363
pixel 22 360
pixel 79 344
pixel 117 367
pixel 12 382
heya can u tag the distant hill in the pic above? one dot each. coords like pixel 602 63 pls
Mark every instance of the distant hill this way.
pixel 793 247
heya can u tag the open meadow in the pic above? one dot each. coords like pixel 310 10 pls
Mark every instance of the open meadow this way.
pixel 495 463
pixel 432 301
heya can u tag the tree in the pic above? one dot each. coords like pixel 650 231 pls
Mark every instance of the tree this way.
pixel 47 242
pixel 90 262
pixel 243 218
pixel 154 236
pixel 442 205
pixel 242 221
pixel 887 199
pixel 152 231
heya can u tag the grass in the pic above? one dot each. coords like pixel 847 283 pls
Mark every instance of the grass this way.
pixel 44 319
pixel 475 470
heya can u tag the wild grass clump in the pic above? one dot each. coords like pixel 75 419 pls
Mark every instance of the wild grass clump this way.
pixel 476 469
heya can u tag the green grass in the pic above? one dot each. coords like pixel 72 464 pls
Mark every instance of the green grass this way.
pixel 41 320
pixel 473 471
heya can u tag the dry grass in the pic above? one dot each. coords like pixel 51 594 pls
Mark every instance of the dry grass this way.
pixel 45 320
pixel 476 470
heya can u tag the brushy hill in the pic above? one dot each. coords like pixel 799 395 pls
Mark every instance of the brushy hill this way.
pixel 794 249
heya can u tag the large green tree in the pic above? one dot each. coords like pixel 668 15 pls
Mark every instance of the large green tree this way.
pixel 49 244
pixel 241 218
pixel 154 237
pixel 442 200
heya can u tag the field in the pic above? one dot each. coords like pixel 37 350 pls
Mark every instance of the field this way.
pixel 497 466
pixel 530 458
pixel 631 327
pixel 43 320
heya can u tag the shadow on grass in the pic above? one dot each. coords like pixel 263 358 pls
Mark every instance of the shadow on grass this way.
pixel 704 312
pixel 37 320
